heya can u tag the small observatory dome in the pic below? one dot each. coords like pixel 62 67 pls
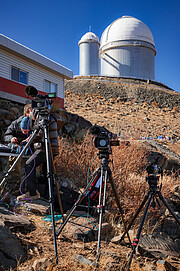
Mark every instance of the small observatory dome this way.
pixel 89 54
pixel 127 49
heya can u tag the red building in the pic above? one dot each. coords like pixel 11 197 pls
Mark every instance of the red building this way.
pixel 21 66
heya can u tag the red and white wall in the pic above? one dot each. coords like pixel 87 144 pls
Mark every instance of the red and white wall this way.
pixel 38 68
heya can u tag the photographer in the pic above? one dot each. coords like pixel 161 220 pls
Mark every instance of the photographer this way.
pixel 14 133
pixel 38 157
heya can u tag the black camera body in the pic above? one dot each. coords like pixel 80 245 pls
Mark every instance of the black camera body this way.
pixel 43 102
pixel 103 141
pixel 153 169
pixel 40 102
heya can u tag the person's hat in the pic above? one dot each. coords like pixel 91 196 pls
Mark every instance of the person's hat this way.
pixel 25 123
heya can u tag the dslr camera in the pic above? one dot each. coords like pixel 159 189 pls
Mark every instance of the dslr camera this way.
pixel 103 141
pixel 40 101
pixel 153 169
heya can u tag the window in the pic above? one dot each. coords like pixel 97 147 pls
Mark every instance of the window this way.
pixel 50 87
pixel 19 75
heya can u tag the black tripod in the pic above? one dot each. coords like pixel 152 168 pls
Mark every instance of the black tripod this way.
pixel 103 173
pixel 43 124
pixel 151 195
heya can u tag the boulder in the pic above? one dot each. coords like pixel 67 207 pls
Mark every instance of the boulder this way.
pixel 158 245
pixel 13 221
pixel 11 250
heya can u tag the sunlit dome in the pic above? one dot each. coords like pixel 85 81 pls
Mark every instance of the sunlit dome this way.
pixel 126 28
pixel 89 37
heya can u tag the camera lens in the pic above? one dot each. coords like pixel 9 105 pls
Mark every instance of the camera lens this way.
pixel 102 143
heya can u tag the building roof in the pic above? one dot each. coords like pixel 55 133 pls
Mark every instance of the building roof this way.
pixel 32 56
pixel 127 28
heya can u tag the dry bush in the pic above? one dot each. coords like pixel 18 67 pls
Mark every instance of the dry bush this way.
pixel 129 175
pixel 74 159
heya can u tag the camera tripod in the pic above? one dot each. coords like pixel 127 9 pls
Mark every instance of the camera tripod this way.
pixel 43 124
pixel 103 173
pixel 151 195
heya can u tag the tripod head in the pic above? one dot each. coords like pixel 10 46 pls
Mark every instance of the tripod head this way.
pixel 154 173
pixel 103 142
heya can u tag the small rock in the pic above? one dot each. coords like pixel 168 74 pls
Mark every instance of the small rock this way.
pixel 116 239
pixel 164 266
pixel 40 264
pixel 39 206
pixel 83 260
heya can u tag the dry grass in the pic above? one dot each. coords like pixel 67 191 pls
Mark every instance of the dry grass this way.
pixel 74 159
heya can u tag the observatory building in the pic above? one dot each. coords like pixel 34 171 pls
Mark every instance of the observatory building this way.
pixel 127 49
pixel 89 54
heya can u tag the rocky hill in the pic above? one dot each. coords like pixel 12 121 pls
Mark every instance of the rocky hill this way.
pixel 125 90
pixel 134 110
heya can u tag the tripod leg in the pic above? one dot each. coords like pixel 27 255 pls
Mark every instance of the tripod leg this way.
pixel 101 208
pixel 59 200
pixel 50 184
pixel 78 201
pixel 168 207
pixel 136 240
pixel 118 202
pixel 134 218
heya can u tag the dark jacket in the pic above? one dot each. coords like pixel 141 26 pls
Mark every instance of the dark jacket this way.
pixel 14 130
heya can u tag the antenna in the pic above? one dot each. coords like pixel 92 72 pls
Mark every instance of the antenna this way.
pixel 90 28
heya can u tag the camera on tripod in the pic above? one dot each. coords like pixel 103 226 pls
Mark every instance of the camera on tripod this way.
pixel 153 169
pixel 43 102
pixel 103 141
pixel 154 172
pixel 40 102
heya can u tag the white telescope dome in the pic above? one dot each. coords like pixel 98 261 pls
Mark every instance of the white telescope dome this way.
pixel 89 37
pixel 127 28
pixel 89 54
pixel 127 49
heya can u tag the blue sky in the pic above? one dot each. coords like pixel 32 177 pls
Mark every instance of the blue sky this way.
pixel 54 27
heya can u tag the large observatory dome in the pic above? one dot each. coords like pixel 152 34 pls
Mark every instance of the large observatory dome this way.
pixel 127 49
pixel 126 28
pixel 89 54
